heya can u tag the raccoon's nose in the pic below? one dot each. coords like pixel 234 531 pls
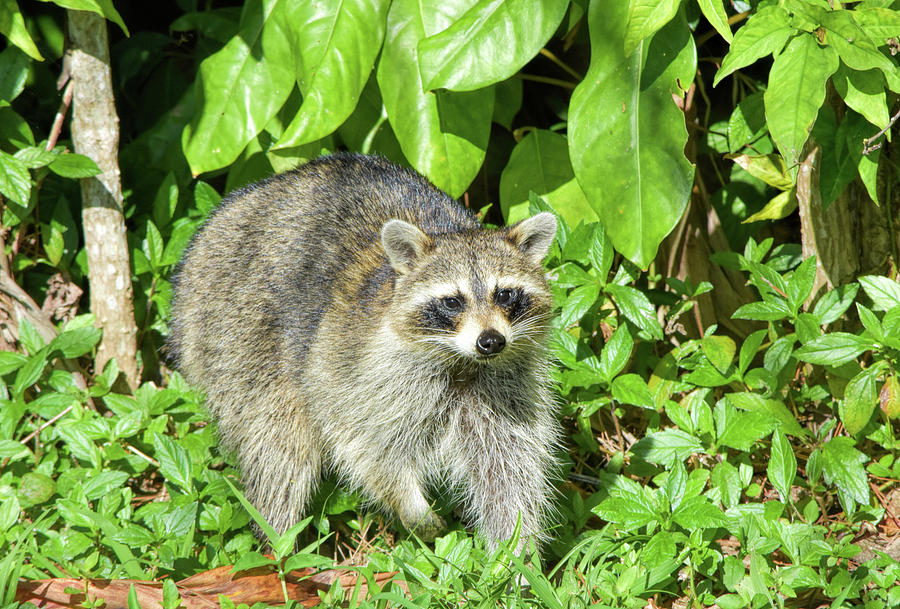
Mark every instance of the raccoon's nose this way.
pixel 490 342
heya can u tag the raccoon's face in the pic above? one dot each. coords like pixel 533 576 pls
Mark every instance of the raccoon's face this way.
pixel 477 296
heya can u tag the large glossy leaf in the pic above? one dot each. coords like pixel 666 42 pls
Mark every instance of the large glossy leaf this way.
pixel 104 8
pixel 336 47
pixel 645 18
pixel 864 92
pixel 763 34
pixel 795 94
pixel 242 86
pixel 488 43
pixel 627 136
pixel 443 134
pixel 12 26
pixel 714 11
pixel 540 164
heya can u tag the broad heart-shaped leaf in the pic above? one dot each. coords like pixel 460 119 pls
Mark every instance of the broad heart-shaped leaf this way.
pixel 627 136
pixel 443 134
pixel 842 465
pixel 796 92
pixel 860 397
pixel 241 87
pixel 764 33
pixel 488 43
pixel 645 18
pixel 336 47
pixel 540 164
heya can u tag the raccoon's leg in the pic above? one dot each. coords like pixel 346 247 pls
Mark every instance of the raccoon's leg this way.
pixel 391 480
pixel 280 458
pixel 503 472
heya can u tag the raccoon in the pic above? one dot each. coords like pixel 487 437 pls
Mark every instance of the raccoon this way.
pixel 349 317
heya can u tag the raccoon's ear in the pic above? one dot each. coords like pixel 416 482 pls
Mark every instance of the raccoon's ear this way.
pixel 534 236
pixel 403 243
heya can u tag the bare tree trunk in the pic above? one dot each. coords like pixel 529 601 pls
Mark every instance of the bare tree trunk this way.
pixel 95 133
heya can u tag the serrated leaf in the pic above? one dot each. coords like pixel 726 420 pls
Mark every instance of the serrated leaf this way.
pixel 765 33
pixel 763 311
pixel 624 107
pixel 205 198
pixel 667 446
pixel 629 509
pixel 241 87
pixel 35 488
pixel 782 466
pixel 842 465
pixel 772 408
pixel 632 389
pixel 15 180
pixel 834 349
pixel 601 253
pixel 336 47
pixel 153 246
pixel 645 18
pixel 29 374
pixel 801 282
pixel 10 361
pixel 76 342
pixel 443 134
pixel 637 308
pixel 103 483
pixel 71 165
pixel 749 349
pixel 797 81
pixel 719 350
pixel 579 301
pixel 834 303
pixel 740 430
pixel 510 32
pixel 860 398
pixel 884 292
pixel 698 513
pixel 174 462
pixel 616 352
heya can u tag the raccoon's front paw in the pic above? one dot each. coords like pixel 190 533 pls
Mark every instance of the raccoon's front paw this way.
pixel 429 527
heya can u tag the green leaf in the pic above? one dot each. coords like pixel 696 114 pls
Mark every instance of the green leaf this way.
pixel 509 32
pixel 800 284
pixel 834 349
pixel 884 292
pixel 241 87
pixel 632 509
pixel 782 466
pixel 676 484
pixel 102 483
pixel 171 598
pixel 645 18
pixel 667 446
pixel 834 303
pixel 765 33
pixel 764 311
pixel 35 488
pixel 616 352
pixel 71 165
pixel 860 399
pixel 772 408
pixel 443 134
pixel 15 180
pixel 600 253
pixel 637 308
pixel 719 350
pixel 165 201
pixel 540 164
pixel 714 12
pixel 579 301
pixel 740 430
pixel 133 602
pixel 174 462
pixel 12 26
pixel 29 374
pixel 632 389
pixel 10 361
pixel 76 342
pixel 698 513
pixel 852 43
pixel 864 92
pixel 749 349
pixel 842 465
pixel 796 92
pixel 104 8
pixel 878 23
pixel 336 46
pixel 205 198
pixel 769 168
pixel 153 246
pixel 624 108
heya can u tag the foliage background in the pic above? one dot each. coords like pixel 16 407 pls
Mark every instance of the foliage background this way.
pixel 731 419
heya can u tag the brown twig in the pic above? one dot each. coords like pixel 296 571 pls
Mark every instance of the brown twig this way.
pixel 867 143
pixel 60 117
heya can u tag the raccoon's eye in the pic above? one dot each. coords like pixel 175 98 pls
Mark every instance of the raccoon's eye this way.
pixel 505 297
pixel 452 303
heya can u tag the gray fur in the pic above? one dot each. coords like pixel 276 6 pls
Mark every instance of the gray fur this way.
pixel 309 310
